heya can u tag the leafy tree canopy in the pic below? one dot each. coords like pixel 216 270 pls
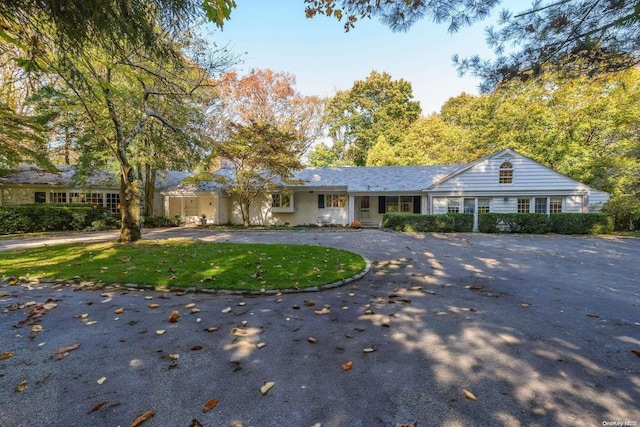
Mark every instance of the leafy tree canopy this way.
pixel 374 107
pixel 577 36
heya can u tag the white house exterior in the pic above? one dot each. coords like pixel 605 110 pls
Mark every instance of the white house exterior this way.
pixel 503 182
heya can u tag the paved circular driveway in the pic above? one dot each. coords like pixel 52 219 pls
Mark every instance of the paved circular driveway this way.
pixel 540 330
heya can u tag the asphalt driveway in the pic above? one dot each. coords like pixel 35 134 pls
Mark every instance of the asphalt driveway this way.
pixel 445 330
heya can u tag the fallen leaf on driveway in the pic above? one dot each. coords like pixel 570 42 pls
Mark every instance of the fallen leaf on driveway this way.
pixel 36 328
pixel 119 311
pixel 160 331
pixel 468 395
pixel 636 352
pixel 174 356
pixel 173 318
pixel 212 329
pixel 97 406
pixel 6 355
pixel 309 303
pixel 196 423
pixel 142 418
pixel 197 347
pixel 312 340
pixel 369 350
pixel 347 365
pixel 22 386
pixel 66 349
pixel 190 305
pixel 266 387
pixel 154 306
pixel 101 380
pixel 594 315
pixel 325 310
pixel 210 405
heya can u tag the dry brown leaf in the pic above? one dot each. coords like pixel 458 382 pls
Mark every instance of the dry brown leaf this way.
pixel 468 395
pixel 6 355
pixel 312 340
pixel 173 318
pixel 636 352
pixel 67 348
pixel 190 305
pixel 210 405
pixel 22 386
pixel 154 306
pixel 197 347
pixel 160 331
pixel 4 294
pixel 347 365
pixel 142 418
pixel 195 310
pixel 101 380
pixel 212 329
pixel 174 356
pixel 36 328
pixel 196 423
pixel 266 387
pixel 407 424
pixel 97 406
pixel 325 310
pixel 261 345
pixel 309 303
pixel 369 350
pixel 119 311
pixel 594 315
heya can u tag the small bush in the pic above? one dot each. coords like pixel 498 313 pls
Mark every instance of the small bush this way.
pixel 41 217
pixel 581 223
pixel 444 223
pixel 534 223
pixel 158 222
pixel 625 210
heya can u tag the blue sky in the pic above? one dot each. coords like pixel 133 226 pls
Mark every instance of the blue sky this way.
pixel 324 59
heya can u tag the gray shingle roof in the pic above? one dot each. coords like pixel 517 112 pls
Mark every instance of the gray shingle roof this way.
pixel 349 178
pixel 376 179
pixel 34 175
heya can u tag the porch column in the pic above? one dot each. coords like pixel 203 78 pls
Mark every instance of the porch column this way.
pixel 352 209
pixel 475 216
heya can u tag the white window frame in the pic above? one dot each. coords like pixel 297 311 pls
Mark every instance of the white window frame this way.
pixel 277 200
pixel 335 201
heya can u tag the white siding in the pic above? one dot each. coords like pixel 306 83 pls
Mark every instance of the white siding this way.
pixel 573 204
pixel 439 205
pixel 528 176
pixel 597 198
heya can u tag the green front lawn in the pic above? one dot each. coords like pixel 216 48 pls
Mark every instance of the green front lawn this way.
pixel 186 263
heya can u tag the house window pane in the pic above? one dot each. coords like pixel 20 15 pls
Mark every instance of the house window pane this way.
pixel 41 197
pixel 483 205
pixel 506 173
pixel 364 202
pixel 392 203
pixel 524 205
pixel 469 206
pixel 555 205
pixel 335 200
pixel 406 204
pixel 77 198
pixel 56 197
pixel 96 199
pixel 113 202
pixel 541 205
pixel 453 205
pixel 280 201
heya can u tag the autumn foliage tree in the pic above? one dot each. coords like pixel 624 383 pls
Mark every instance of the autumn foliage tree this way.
pixel 260 157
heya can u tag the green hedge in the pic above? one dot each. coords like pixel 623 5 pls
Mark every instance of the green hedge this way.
pixel 41 217
pixel 533 223
pixel 445 223
pixel 578 223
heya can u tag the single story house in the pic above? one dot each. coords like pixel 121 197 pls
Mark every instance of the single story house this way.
pixel 503 182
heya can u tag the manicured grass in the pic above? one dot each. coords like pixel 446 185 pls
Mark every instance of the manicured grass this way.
pixel 186 263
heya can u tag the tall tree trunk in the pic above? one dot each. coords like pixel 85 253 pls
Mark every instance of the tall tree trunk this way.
pixel 244 209
pixel 149 189
pixel 129 206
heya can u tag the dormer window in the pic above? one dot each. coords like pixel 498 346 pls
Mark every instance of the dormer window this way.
pixel 506 173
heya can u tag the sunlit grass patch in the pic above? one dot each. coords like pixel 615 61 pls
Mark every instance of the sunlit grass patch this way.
pixel 186 263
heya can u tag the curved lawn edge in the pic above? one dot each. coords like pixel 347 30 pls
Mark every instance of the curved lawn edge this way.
pixel 270 292
pixel 197 289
